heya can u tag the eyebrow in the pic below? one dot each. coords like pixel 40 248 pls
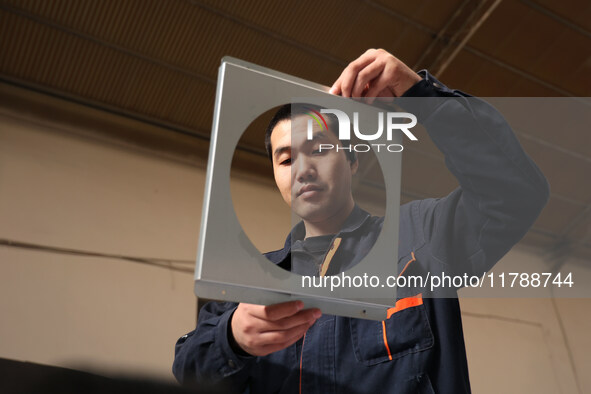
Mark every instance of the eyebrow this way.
pixel 319 135
pixel 280 150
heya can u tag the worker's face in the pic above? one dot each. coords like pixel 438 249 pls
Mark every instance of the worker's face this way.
pixel 315 184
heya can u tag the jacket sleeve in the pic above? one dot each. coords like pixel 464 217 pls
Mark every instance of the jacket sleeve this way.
pixel 501 191
pixel 205 353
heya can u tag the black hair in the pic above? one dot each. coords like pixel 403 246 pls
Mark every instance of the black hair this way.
pixel 287 111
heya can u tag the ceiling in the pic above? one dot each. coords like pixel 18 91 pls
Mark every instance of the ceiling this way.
pixel 156 61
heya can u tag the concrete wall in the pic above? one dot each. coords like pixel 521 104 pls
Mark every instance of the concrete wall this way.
pixel 62 187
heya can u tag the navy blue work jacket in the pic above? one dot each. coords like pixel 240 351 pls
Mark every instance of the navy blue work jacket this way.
pixel 420 347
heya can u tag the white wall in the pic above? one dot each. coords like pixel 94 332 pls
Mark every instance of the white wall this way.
pixel 63 189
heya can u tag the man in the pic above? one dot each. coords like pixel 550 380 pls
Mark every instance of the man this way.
pixel 420 347
pixel 315 181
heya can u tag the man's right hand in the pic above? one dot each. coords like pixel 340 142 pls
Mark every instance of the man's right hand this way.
pixel 260 330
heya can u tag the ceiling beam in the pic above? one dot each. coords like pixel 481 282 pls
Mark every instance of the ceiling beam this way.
pixel 447 56
pixel 399 16
pixel 276 36
pixel 557 17
pixel 441 36
pixel 518 71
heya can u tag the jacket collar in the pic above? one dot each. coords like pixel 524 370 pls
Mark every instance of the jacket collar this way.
pixel 356 219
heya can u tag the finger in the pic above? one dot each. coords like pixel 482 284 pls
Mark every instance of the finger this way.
pixel 387 92
pixel 308 316
pixel 368 56
pixel 349 74
pixel 352 69
pixel 367 76
pixel 274 341
pixel 378 88
pixel 336 87
pixel 278 311
pixel 280 346
pixel 275 337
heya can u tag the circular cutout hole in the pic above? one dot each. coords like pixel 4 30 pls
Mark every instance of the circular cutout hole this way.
pixel 265 217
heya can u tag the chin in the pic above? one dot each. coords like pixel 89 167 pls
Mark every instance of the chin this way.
pixel 307 210
pixel 313 213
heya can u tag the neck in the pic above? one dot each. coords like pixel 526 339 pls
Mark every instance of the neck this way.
pixel 330 225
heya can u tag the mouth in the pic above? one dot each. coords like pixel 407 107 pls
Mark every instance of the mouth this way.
pixel 308 190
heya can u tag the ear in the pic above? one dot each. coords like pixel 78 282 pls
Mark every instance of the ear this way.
pixel 354 167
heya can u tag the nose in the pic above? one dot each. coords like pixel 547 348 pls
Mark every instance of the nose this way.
pixel 304 169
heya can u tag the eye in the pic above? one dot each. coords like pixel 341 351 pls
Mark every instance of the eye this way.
pixel 285 162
